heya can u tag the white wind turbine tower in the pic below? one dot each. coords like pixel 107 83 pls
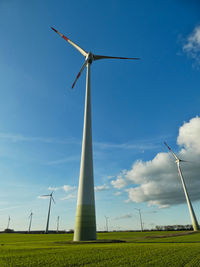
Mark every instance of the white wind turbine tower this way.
pixel 106 223
pixel 58 221
pixel 85 225
pixel 141 223
pixel 8 222
pixel 49 210
pixel 30 222
pixel 192 214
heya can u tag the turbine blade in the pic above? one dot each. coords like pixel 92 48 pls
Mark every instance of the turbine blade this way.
pixel 45 195
pixel 79 74
pixel 53 200
pixel 83 52
pixel 175 156
pixel 186 161
pixel 96 57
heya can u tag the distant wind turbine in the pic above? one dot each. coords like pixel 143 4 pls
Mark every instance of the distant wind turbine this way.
pixel 30 222
pixel 8 225
pixel 85 225
pixel 141 223
pixel 106 223
pixel 192 214
pixel 49 210
pixel 58 220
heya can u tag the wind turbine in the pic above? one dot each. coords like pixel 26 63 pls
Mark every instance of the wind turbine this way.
pixel 141 223
pixel 58 220
pixel 30 222
pixel 85 225
pixel 106 223
pixel 8 222
pixel 49 211
pixel 192 214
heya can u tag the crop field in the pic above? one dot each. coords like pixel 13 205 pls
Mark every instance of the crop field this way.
pixel 132 249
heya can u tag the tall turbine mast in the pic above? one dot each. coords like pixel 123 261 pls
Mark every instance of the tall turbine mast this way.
pixel 192 214
pixel 58 220
pixel 49 210
pixel 30 222
pixel 141 223
pixel 85 225
pixel 106 223
pixel 8 222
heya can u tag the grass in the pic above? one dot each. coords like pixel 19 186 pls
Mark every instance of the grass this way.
pixel 139 249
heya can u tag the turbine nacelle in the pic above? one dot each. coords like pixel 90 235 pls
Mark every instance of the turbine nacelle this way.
pixel 51 196
pixel 89 57
pixel 177 159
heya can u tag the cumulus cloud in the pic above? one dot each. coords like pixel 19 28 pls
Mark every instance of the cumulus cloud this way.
pixel 156 181
pixel 101 188
pixel 192 45
pixel 120 182
pixel 189 135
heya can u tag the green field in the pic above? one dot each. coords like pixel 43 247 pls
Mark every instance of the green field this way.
pixel 139 249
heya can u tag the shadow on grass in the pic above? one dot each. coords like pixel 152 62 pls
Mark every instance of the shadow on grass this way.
pixel 99 241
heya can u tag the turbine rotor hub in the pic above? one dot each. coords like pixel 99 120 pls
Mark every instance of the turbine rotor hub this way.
pixel 90 57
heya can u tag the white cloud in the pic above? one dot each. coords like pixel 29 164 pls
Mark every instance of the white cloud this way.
pixel 157 182
pixel 120 182
pixel 189 136
pixel 53 188
pixel 42 197
pixel 118 193
pixel 101 188
pixel 124 216
pixel 64 160
pixel 13 137
pixel 111 177
pixel 68 188
pixel 192 45
pixel 145 145
pixel 68 197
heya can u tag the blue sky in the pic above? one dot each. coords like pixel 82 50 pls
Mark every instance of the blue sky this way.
pixel 136 105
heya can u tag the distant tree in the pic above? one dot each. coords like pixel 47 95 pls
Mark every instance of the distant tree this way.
pixel 176 227
pixel 9 231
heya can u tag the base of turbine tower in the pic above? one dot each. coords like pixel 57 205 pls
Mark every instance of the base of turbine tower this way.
pixel 85 226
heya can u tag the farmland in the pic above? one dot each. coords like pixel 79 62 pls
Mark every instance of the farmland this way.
pixel 137 249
